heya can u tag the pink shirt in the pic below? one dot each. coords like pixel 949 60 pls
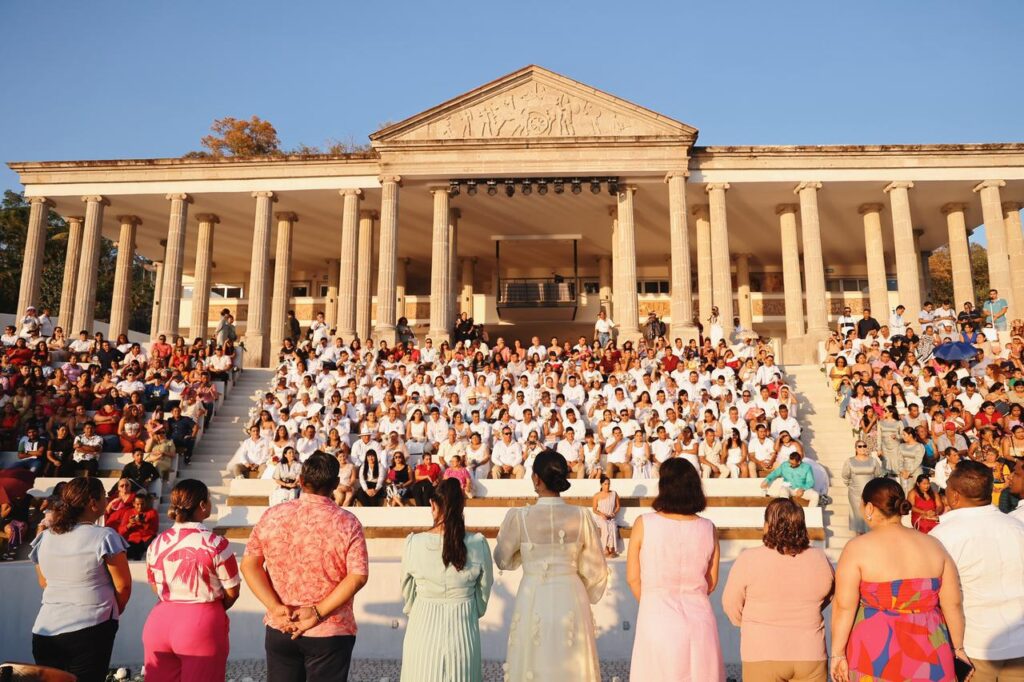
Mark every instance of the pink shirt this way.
pixel 462 475
pixel 191 565
pixel 309 545
pixel 776 600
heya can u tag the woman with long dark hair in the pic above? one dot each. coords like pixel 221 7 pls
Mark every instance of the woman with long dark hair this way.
pixel 194 574
pixel 83 570
pixel 446 581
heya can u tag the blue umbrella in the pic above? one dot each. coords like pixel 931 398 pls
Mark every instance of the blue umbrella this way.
pixel 955 351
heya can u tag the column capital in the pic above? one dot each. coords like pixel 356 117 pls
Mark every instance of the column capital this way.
pixel 288 216
pixel 181 196
pixel 625 190
pixel 700 209
pixel 989 183
pixel 870 208
pixel 434 189
pixel 129 219
pixel 96 199
pixel 76 219
pixel 712 186
pixel 264 195
pixel 898 184
pixel 351 192
pixel 40 200
pixel 1011 206
pixel 369 213
pixel 953 207
pixel 742 256
pixel 207 218
pixel 786 208
pixel 397 179
pixel 811 184
pixel 677 174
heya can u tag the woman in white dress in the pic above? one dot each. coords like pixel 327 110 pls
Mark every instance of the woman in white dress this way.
pixel 715 331
pixel 564 571
pixel 640 456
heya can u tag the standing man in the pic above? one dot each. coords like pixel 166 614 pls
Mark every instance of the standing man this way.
pixel 897 321
pixel 294 330
pixel 866 324
pixel 1017 488
pixel 846 322
pixel 305 561
pixel 603 328
pixel 995 309
pixel 988 549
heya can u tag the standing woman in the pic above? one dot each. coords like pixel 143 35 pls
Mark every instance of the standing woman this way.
pixel 83 570
pixel 447 575
pixel 776 594
pixel 564 572
pixel 898 609
pixel 857 471
pixel 911 455
pixel 671 569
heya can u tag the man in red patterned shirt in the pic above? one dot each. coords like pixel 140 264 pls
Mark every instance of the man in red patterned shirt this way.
pixel 305 561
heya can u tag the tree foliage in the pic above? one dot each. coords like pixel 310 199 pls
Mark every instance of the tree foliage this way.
pixel 941 274
pixel 14 213
pixel 240 138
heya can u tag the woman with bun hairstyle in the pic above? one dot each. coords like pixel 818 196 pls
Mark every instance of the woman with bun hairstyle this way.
pixel 83 570
pixel 897 612
pixel 564 572
pixel 671 568
pixel 195 577
pixel 447 575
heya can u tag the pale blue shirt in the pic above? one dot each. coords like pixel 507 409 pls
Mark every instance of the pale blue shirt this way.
pixel 79 591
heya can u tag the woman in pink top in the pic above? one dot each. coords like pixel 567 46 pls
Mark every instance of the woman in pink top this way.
pixel 775 594
pixel 672 567
pixel 195 575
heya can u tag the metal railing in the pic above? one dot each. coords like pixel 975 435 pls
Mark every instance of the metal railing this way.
pixel 532 292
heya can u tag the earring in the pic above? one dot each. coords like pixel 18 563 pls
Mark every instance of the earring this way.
pixel 867 517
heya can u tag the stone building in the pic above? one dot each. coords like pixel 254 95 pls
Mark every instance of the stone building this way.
pixel 533 199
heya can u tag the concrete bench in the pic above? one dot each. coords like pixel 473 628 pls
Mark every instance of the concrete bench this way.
pixel 44 486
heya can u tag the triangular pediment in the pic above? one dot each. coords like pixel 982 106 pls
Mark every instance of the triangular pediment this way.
pixel 533 104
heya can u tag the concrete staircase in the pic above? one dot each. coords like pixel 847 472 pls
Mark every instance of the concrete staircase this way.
pixel 218 445
pixel 828 439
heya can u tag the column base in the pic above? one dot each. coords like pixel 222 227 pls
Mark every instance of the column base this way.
pixel 439 336
pixel 625 335
pixel 255 353
pixel 683 331
pixel 385 334
pixel 814 341
pixel 794 351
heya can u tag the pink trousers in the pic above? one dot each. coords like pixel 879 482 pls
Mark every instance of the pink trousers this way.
pixel 186 642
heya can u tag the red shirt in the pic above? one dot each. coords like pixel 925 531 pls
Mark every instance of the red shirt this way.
pixel 309 545
pixel 432 471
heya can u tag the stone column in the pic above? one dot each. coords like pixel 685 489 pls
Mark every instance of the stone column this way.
pixel 626 309
pixel 201 276
pixel 721 275
pixel 791 283
pixel 282 292
pixel 120 302
pixel 604 284
pixel 454 215
pixel 1015 247
pixel 349 264
pixel 618 288
pixel 908 273
pixel 32 261
pixel 158 288
pixel 959 253
pixel 874 248
pixel 705 282
pixel 70 281
pixel 88 265
pixel 923 267
pixel 679 246
pixel 256 337
pixel 745 312
pixel 468 276
pixel 440 270
pixel 331 305
pixel 364 295
pixel 388 308
pixel 998 250
pixel 814 266
pixel 401 279
pixel 174 264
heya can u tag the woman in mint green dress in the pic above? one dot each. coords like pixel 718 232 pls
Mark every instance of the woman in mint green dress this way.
pixel 446 581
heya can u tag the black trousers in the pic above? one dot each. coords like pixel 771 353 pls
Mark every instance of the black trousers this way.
pixel 84 653
pixel 308 659
pixel 422 491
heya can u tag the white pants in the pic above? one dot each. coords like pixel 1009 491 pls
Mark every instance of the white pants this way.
pixel 723 470
pixel 779 488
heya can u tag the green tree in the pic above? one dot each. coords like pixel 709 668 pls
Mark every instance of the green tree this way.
pixel 941 274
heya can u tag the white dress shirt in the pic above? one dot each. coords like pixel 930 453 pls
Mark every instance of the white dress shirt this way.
pixel 507 454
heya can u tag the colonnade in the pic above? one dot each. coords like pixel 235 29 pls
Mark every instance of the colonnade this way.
pixel 349 281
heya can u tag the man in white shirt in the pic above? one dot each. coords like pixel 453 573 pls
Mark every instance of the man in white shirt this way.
pixel 536 348
pixel 970 397
pixel 45 324
pixel 451 447
pixel 988 549
pixel 784 422
pixel 846 323
pixel 253 454
pixel 1017 488
pixel 927 315
pixel 768 373
pixel 83 344
pixel 571 448
pixel 428 354
pixel 762 453
pixel 319 329
pixel 507 457
pixel 603 328
pixel 308 443
pixel 29 324
pixel 365 443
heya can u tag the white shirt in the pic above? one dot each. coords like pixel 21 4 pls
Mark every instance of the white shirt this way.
pixel 788 424
pixel 571 451
pixel 254 451
pixel 507 454
pixel 1018 513
pixel 762 452
pixel 604 326
pixel 988 549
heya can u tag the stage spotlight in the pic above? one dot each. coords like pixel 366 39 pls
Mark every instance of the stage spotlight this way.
pixel 559 186
pixel 613 186
pixel 542 187
pixel 453 188
pixel 576 186
pixel 492 187
pixel 471 187
pixel 595 186
pixel 526 188
pixel 510 188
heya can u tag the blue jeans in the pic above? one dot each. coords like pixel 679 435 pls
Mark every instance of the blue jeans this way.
pixel 603 338
pixel 33 464
pixel 846 392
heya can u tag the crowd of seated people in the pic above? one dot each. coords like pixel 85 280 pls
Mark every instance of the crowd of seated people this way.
pixel 402 417
pixel 64 402
pixel 916 415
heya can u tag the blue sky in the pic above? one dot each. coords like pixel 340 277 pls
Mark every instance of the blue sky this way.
pixel 124 78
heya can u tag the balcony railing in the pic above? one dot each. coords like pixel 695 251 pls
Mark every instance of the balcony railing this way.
pixel 537 292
